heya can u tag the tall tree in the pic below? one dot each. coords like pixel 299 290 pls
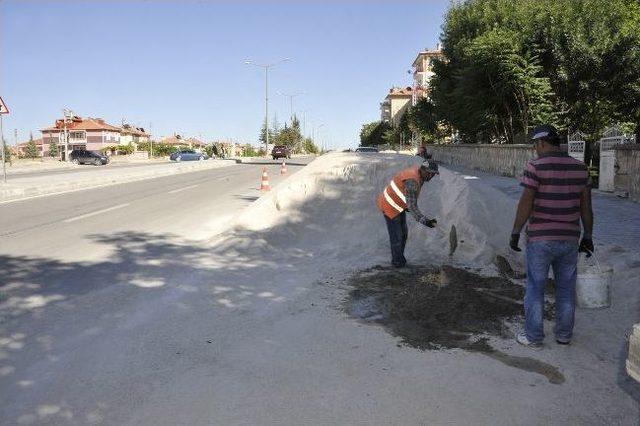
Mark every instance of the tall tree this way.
pixel 31 151
pixel 373 133
pixel 513 64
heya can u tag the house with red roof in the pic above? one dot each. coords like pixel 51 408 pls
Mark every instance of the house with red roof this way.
pixel 84 133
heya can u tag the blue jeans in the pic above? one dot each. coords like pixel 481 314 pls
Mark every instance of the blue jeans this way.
pixel 398 233
pixel 562 256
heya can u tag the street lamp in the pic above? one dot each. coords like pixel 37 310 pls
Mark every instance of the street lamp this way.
pixel 266 94
pixel 291 96
pixel 314 132
pixel 304 121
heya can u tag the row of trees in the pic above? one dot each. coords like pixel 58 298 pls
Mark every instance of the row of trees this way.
pixel 290 136
pixel 510 65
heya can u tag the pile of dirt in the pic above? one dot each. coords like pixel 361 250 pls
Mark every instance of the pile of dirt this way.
pixel 437 308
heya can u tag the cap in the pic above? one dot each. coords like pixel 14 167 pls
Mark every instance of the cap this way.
pixel 431 166
pixel 547 132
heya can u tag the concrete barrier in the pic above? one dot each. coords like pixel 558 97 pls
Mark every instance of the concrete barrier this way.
pixel 505 160
pixel 49 185
pixel 627 178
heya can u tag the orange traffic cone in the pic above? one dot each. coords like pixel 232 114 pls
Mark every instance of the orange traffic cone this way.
pixel 264 186
pixel 283 169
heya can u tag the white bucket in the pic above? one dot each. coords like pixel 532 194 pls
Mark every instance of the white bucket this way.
pixel 593 286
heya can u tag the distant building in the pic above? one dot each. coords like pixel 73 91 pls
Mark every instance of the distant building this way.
pixel 131 135
pixel 423 72
pixel 84 133
pixel 395 104
pixel 21 149
pixel 179 141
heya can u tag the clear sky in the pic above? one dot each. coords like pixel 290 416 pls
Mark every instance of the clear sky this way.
pixel 179 65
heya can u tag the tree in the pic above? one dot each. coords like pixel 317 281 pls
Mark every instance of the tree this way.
pixel 53 148
pixel 373 133
pixel 31 151
pixel 511 65
pixel 263 134
pixel 309 146
pixel 7 152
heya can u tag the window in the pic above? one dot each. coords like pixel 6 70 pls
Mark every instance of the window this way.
pixel 76 135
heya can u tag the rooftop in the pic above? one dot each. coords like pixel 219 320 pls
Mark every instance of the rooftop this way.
pixel 79 123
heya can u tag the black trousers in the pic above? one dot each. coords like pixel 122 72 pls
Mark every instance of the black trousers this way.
pixel 398 233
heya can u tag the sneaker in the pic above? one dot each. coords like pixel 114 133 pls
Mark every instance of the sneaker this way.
pixel 524 341
pixel 563 341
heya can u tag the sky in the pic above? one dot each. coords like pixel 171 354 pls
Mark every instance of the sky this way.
pixel 179 66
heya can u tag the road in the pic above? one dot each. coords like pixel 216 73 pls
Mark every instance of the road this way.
pixel 63 262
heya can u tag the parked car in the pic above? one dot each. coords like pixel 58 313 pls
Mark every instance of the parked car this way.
pixel 366 149
pixel 81 156
pixel 280 151
pixel 188 155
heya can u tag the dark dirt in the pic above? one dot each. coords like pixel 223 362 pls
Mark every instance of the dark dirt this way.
pixel 444 308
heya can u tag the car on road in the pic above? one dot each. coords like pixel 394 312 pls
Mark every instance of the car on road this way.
pixel 367 149
pixel 188 155
pixel 280 151
pixel 82 156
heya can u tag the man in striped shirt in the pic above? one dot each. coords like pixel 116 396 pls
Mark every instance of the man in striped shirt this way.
pixel 555 201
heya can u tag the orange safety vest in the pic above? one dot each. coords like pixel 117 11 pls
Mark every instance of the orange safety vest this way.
pixel 393 200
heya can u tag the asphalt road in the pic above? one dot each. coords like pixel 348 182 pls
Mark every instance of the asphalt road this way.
pixel 63 260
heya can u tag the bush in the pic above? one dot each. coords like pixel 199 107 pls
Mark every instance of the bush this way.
pixel 159 149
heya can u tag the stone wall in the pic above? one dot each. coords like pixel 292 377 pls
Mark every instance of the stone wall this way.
pixel 627 178
pixel 505 160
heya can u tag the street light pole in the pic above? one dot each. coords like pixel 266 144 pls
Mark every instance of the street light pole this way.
pixel 266 95
pixel 291 96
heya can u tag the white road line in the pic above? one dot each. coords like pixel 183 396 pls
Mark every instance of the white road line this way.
pixel 183 189
pixel 84 216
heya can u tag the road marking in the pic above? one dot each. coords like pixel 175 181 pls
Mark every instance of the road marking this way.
pixel 183 189
pixel 84 216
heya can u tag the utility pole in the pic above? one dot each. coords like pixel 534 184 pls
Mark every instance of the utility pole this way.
pixel 266 95
pixel 66 113
pixel 304 122
pixel 15 143
pixel 291 96
pixel 150 143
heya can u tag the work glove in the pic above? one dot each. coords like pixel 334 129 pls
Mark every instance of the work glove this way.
pixel 429 223
pixel 513 242
pixel 586 246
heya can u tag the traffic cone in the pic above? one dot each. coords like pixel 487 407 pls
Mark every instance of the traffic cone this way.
pixel 283 169
pixel 264 186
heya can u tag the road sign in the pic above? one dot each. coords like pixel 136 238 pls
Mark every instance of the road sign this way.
pixel 3 107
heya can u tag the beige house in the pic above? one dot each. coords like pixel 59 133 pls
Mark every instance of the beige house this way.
pixel 423 72
pixel 131 135
pixel 395 104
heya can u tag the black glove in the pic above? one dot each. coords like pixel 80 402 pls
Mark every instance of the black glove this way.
pixel 586 246
pixel 429 223
pixel 513 243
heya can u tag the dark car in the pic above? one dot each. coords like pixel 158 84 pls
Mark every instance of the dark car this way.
pixel 81 156
pixel 187 155
pixel 280 151
pixel 366 149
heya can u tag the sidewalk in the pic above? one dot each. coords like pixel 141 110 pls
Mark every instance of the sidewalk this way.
pixel 616 220
pixel 21 187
